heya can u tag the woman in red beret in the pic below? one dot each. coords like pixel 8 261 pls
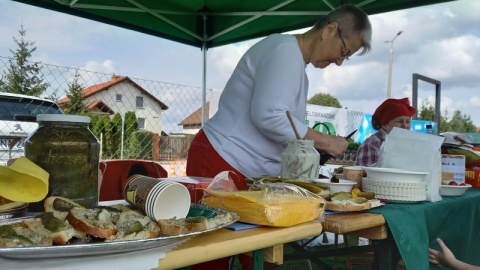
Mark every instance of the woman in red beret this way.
pixel 391 113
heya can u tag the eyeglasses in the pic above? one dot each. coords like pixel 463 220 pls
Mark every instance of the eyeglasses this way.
pixel 345 51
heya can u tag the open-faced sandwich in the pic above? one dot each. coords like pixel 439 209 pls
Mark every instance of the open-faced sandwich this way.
pixel 174 226
pixel 352 201
pixel 65 220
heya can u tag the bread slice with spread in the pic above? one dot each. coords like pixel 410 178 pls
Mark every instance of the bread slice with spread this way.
pixel 97 222
pixel 16 235
pixel 60 231
pixel 132 225
pixel 343 201
pixel 174 226
pixel 53 223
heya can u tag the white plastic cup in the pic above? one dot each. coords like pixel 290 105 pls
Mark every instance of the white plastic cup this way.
pixel 157 198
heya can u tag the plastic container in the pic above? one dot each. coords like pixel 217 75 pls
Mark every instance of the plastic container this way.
pixel 300 161
pixel 64 146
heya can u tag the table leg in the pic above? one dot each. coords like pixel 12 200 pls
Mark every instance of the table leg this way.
pixel 386 256
pixel 258 257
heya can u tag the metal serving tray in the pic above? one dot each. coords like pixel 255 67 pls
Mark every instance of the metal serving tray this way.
pixel 101 248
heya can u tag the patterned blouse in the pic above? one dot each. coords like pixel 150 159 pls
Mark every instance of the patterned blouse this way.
pixel 368 153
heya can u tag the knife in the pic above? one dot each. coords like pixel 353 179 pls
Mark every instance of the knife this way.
pixel 350 135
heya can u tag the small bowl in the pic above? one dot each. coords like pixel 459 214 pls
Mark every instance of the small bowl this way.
pixel 448 190
pixel 344 185
pixel 395 175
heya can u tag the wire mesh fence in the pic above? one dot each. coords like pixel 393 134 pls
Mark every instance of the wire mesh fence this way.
pixel 133 118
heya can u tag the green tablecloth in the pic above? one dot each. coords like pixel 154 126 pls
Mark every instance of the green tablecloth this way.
pixel 416 226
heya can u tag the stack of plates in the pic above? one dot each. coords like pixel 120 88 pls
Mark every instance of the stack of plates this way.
pixel 395 184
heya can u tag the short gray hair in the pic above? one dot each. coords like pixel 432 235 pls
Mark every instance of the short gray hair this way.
pixel 353 21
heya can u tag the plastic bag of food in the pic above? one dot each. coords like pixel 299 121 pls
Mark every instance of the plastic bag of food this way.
pixel 273 204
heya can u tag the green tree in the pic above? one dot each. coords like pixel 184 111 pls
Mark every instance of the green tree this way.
pixel 427 112
pixel 54 96
pixel 461 123
pixel 458 123
pixel 75 104
pixel 326 100
pixel 115 138
pixel 131 124
pixel 101 127
pixel 140 146
pixel 22 76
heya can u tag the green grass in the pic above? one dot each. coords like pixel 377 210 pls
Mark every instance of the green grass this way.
pixel 339 263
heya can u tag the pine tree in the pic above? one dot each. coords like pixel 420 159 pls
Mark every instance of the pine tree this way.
pixel 75 105
pixel 22 76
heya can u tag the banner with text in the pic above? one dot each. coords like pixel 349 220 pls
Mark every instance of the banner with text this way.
pixel 333 121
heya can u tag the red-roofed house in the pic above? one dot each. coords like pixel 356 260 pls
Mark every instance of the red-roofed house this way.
pixel 193 123
pixel 121 95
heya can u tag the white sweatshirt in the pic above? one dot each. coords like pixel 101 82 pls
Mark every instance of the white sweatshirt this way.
pixel 250 129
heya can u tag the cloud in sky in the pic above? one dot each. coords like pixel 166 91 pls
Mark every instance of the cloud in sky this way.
pixel 439 41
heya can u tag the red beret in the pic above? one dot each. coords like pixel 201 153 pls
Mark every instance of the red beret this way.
pixel 391 109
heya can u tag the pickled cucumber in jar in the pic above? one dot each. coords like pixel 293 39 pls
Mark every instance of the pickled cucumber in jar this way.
pixel 64 146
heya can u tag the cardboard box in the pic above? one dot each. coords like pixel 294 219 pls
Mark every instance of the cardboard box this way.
pixel 453 168
pixel 193 183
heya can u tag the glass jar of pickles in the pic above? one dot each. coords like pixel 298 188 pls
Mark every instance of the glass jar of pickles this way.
pixel 300 161
pixel 64 146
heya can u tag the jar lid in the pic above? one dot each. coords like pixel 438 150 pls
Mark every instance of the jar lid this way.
pixel 63 118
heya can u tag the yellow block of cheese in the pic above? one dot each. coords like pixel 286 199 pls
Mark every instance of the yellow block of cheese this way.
pixel 265 208
pixel 23 181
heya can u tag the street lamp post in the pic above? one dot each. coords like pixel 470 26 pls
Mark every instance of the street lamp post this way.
pixel 390 64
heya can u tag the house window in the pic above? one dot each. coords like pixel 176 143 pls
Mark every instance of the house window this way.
pixel 139 102
pixel 141 123
pixel 119 97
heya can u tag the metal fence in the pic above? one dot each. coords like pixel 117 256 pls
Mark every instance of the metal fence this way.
pixel 165 139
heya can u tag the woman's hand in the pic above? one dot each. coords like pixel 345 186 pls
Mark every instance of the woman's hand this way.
pixel 333 145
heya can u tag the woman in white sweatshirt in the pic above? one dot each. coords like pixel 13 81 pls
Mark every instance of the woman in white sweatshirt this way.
pixel 250 130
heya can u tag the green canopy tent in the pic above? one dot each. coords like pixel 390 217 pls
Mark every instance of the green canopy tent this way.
pixel 211 23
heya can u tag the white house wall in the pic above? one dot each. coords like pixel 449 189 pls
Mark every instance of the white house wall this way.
pixel 151 110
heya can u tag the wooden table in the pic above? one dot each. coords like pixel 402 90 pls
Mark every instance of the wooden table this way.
pixel 371 226
pixel 222 243
pixel 360 224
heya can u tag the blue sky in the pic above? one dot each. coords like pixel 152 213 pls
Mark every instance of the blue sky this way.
pixel 440 41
